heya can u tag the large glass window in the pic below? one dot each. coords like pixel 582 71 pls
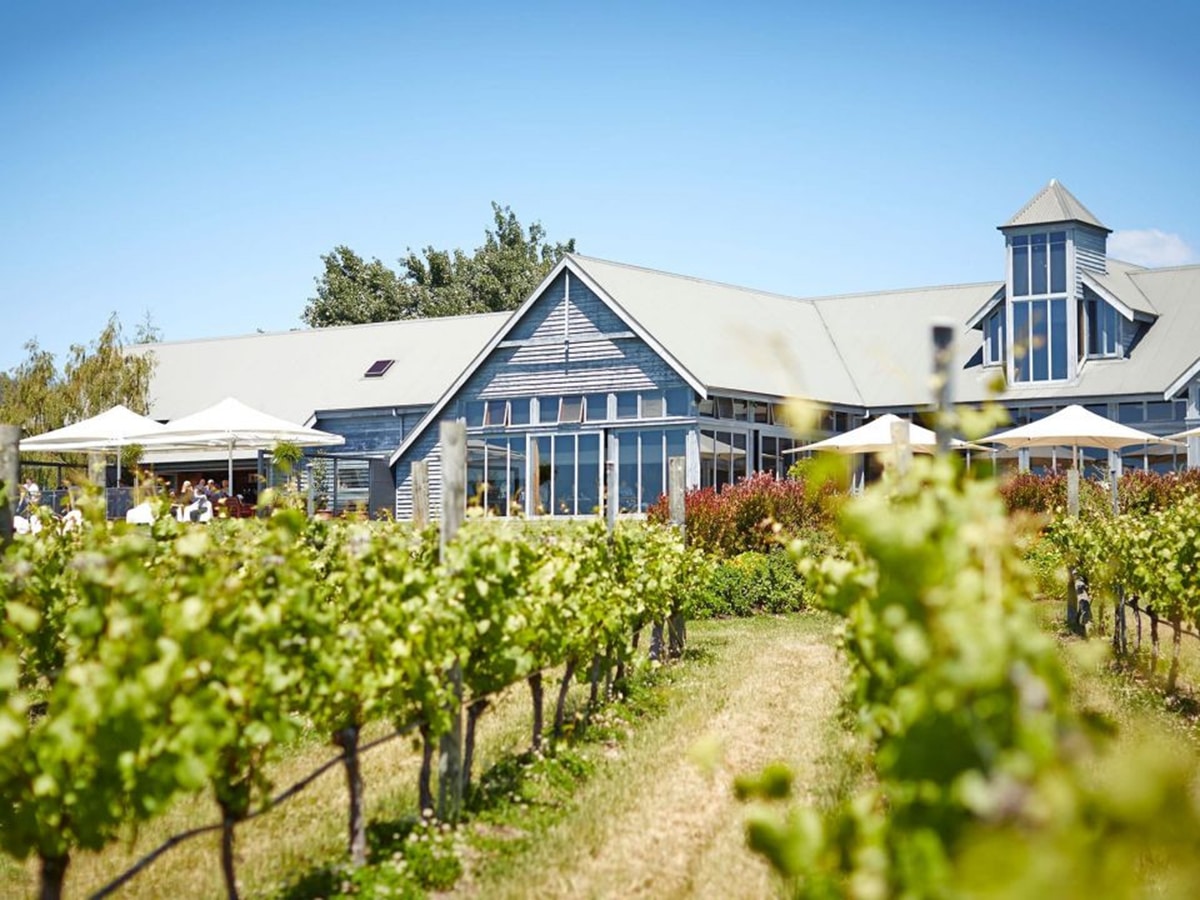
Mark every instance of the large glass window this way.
pixel 723 457
pixel 643 459
pixel 588 499
pixel 496 474
pixel 564 475
pixel 1040 339
pixel 565 472
pixel 1039 335
pixel 1039 264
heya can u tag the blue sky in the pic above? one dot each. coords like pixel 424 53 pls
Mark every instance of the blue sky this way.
pixel 194 162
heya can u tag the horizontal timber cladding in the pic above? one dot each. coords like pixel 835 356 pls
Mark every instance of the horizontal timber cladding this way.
pixel 428 449
pixel 370 432
pixel 1090 251
pixel 567 308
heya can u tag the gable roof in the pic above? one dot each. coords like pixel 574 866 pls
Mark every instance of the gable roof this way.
pixel 1118 284
pixel 1053 203
pixel 295 374
pixel 731 338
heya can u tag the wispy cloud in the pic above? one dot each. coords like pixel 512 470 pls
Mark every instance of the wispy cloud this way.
pixel 1151 247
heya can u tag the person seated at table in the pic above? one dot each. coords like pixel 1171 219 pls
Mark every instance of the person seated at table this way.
pixel 31 496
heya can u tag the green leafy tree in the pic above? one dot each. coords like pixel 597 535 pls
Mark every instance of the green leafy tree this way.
pixel 39 397
pixel 499 275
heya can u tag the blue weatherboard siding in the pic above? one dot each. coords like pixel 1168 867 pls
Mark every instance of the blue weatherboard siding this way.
pixel 371 432
pixel 547 365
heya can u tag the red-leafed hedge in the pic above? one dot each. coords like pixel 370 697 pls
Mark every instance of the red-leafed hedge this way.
pixel 1137 491
pixel 751 514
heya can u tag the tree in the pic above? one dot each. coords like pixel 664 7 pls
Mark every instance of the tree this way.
pixel 497 276
pixel 37 397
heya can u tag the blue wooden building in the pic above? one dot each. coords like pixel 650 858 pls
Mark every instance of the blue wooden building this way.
pixel 606 357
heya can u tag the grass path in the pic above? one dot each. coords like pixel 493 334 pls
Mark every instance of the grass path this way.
pixel 650 822
pixel 647 822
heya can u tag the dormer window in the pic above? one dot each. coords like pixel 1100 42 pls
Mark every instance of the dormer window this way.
pixel 993 337
pixel 1103 328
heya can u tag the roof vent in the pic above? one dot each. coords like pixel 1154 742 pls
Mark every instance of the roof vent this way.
pixel 378 368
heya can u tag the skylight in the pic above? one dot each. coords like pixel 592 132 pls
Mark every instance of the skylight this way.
pixel 378 368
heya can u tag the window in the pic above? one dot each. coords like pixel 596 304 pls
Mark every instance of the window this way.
pixel 518 412
pixel 597 408
pixel 1039 334
pixel 572 409
pixel 643 465
pixel 627 405
pixel 1039 263
pixel 495 413
pixel 722 457
pixel 473 412
pixel 1040 339
pixel 496 475
pixel 653 406
pixel 548 410
pixel 993 337
pixel 378 368
pixel 1103 328
pixel 565 473
pixel 1131 413
pixel 679 401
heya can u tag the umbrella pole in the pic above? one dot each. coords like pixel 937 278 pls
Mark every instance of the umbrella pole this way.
pixel 230 470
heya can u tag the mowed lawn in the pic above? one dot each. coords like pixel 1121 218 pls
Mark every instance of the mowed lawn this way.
pixel 655 817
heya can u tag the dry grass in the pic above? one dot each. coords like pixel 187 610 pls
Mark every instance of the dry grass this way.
pixel 307 832
pixel 650 822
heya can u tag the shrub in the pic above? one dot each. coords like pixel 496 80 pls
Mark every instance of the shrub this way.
pixel 753 514
pixel 750 583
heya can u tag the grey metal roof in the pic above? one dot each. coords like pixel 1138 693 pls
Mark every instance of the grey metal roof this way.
pixel 1054 203
pixel 294 374
pixel 885 338
pixel 1119 282
pixel 729 337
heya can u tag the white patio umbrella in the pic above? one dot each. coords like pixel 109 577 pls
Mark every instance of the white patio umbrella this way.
pixel 234 425
pixel 1074 427
pixel 1184 435
pixel 110 430
pixel 876 437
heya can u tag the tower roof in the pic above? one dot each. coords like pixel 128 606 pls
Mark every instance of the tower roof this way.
pixel 1054 203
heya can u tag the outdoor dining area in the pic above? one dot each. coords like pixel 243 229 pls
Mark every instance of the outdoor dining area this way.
pixel 208 492
pixel 1072 429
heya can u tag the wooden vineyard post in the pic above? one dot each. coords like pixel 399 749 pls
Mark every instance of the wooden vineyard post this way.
pixel 454 506
pixel 96 475
pixel 902 449
pixel 420 494
pixel 1072 510
pixel 943 382
pixel 10 482
pixel 614 491
pixel 676 482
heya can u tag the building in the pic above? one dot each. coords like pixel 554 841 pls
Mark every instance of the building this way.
pixel 666 365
